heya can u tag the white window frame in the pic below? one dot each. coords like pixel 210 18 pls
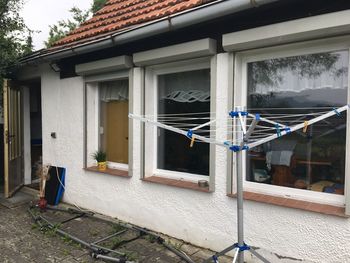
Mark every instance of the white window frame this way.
pixel 240 99
pixel 151 101
pixel 94 87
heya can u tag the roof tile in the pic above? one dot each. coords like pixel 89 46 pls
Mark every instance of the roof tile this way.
pixel 118 15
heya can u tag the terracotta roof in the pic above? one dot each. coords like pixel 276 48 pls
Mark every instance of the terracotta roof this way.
pixel 118 15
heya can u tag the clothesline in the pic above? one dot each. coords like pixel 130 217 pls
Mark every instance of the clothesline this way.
pixel 247 130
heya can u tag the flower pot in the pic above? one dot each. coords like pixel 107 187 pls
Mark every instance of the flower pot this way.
pixel 102 166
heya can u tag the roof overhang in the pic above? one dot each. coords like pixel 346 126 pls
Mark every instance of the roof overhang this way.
pixel 303 29
pixel 176 21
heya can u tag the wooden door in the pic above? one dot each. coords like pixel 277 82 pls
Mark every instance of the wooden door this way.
pixel 13 138
pixel 117 123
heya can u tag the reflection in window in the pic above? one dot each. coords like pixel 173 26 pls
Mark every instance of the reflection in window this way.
pixel 314 160
pixel 183 93
pixel 114 120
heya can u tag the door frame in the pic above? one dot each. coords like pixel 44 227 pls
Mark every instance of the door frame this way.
pixel 6 87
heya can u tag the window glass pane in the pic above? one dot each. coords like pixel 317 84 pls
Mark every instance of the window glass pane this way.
pixel 183 93
pixel 114 120
pixel 314 160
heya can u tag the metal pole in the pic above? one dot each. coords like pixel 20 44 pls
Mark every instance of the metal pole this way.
pixel 240 205
pixel 118 260
pixel 240 227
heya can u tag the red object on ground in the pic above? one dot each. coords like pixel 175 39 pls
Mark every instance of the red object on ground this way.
pixel 42 203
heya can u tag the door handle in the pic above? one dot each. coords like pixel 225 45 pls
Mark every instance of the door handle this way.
pixel 9 137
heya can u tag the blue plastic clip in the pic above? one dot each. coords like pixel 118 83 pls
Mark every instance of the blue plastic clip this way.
pixel 227 143
pixel 235 113
pixel 336 112
pixel 215 258
pixel 278 130
pixel 235 148
pixel 245 147
pixel 189 134
pixel 287 130
pixel 257 117
pixel 241 248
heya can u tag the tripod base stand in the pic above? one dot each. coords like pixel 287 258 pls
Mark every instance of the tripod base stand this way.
pixel 239 247
pixel 238 250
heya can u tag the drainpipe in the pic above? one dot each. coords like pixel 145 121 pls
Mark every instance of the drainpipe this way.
pixel 183 19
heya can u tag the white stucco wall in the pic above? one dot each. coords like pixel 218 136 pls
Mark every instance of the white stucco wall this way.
pixel 204 219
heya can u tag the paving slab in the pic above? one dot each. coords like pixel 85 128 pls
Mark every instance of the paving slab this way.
pixel 18 199
pixel 23 241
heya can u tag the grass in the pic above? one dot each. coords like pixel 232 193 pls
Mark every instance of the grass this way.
pixel 132 255
pixel 117 228
pixel 50 231
pixel 93 232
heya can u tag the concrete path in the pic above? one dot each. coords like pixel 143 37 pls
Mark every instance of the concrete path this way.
pixel 22 241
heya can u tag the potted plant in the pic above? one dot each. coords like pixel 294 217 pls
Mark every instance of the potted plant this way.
pixel 101 159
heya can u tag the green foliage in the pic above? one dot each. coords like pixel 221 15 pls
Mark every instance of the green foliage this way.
pixel 64 27
pixel 268 72
pixel 50 231
pixel 117 228
pixel 99 156
pixel 97 5
pixel 132 256
pixel 93 232
pixel 15 37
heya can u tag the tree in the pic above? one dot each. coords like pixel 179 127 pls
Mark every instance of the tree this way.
pixel 64 27
pixel 15 37
pixel 97 5
pixel 270 73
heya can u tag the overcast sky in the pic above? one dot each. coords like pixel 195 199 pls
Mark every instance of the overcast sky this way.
pixel 39 14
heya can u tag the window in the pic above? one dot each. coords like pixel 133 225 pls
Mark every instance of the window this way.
pixel 107 121
pixel 306 165
pixel 174 92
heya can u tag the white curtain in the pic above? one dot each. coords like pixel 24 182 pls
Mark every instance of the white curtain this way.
pixel 114 90
pixel 186 87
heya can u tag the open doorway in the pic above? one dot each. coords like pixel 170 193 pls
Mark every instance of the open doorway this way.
pixel 22 140
pixel 35 138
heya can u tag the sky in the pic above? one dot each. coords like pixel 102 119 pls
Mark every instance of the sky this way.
pixel 39 14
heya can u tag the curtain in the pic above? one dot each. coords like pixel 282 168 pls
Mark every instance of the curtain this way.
pixel 114 90
pixel 191 86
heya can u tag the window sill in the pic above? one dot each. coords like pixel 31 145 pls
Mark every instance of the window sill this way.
pixel 292 203
pixel 176 183
pixel 109 171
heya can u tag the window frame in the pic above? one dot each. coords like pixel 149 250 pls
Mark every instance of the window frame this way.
pixel 240 99
pixel 92 86
pixel 151 108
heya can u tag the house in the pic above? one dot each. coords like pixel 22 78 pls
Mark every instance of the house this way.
pixel 197 57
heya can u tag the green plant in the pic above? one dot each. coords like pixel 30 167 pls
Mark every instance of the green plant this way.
pixel 132 256
pixel 50 230
pixel 99 156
